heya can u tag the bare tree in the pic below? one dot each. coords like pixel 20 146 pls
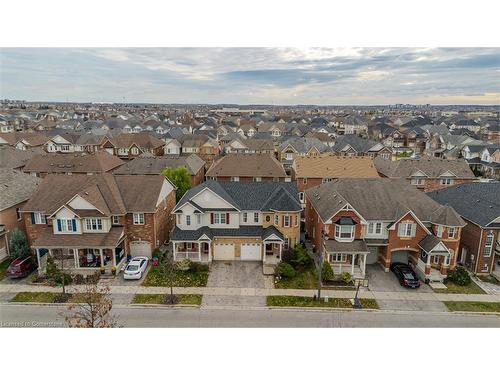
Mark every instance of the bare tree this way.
pixel 92 308
pixel 167 270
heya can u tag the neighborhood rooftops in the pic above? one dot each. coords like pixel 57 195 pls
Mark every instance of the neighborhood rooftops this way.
pixel 331 166
pixel 15 187
pixel 477 202
pixel 247 165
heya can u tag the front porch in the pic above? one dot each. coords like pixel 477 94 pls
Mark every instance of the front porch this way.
pixel 347 257
pixel 272 252
pixel 434 260
pixel 197 251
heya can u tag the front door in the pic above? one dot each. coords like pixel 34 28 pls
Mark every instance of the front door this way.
pixel 463 256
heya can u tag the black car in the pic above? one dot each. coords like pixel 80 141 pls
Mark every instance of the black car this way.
pixel 405 274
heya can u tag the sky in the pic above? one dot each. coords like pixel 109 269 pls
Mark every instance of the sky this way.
pixel 286 76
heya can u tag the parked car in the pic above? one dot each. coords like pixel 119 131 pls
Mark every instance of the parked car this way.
pixel 135 268
pixel 21 267
pixel 405 274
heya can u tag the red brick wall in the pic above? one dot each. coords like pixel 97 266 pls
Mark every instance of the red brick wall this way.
pixel 198 178
pixel 164 220
pixel 145 232
pixel 473 239
pixel 432 184
pixel 311 182
pixel 32 230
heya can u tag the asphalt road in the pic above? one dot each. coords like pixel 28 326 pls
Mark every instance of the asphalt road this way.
pixel 49 316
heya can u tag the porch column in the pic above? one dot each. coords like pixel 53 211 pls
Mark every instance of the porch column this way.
pixel 113 257
pixel 102 258
pixel 263 249
pixel 364 265
pixel 209 251
pixel 281 248
pixel 353 256
pixel 199 251
pixel 38 260
pixel 174 249
pixel 75 256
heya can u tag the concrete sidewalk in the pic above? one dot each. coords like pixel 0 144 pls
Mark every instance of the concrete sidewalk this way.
pixel 212 291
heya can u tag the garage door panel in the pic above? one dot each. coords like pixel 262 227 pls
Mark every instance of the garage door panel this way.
pixel 372 256
pixel 251 251
pixel 140 249
pixel 224 251
pixel 399 256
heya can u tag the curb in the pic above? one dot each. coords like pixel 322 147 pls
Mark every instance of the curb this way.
pixel 156 305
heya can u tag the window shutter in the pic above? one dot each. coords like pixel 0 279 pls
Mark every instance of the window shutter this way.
pixel 413 230
pixel 227 217
pixel 400 230
pixel 283 221
pixel 59 225
pixel 73 221
pixel 33 218
pixel 211 217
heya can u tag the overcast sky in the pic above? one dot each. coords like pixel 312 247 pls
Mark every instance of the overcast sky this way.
pixel 253 75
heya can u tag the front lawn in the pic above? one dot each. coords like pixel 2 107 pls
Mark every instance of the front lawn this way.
pixel 453 288
pixel 195 278
pixel 294 301
pixel 159 299
pixel 3 267
pixel 304 279
pixel 473 306
pixel 489 279
pixel 49 297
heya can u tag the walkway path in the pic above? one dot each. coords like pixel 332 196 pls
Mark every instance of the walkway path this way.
pixel 253 292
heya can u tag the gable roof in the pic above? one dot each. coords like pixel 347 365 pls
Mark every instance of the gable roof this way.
pixel 247 165
pixel 16 187
pixel 357 143
pixel 432 167
pixel 375 199
pixel 332 166
pixel 477 202
pixel 154 165
pixel 11 157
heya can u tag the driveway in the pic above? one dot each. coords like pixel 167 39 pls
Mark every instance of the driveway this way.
pixel 381 281
pixel 228 274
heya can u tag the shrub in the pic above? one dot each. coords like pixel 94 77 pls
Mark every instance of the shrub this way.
pixel 198 267
pixel 184 265
pixel 327 272
pixel 301 258
pixel 78 279
pixel 460 276
pixel 287 256
pixel 18 244
pixel 346 277
pixel 285 270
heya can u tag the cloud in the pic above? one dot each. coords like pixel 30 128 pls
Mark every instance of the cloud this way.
pixel 252 75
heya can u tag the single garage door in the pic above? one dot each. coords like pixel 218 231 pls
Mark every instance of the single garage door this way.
pixel 372 256
pixel 3 253
pixel 140 249
pixel 251 251
pixel 224 251
pixel 399 256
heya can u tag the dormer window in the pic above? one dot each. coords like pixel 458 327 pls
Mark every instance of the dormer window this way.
pixel 138 218
pixel 418 181
pixel 66 225
pixel 446 181
pixel 93 224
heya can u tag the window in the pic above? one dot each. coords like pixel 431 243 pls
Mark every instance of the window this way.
pixel 418 181
pixel 407 230
pixel 198 219
pixel 337 257
pixel 439 231
pixel 327 179
pixel 219 218
pixel 256 217
pixel 66 225
pixel 344 232
pixel 138 218
pixel 188 220
pixel 447 260
pixel 435 259
pixel 451 232
pixel 116 220
pixel 301 196
pixel 65 147
pixel 245 217
pixel 38 218
pixel 235 179
pixel 276 219
pixel 296 220
pixel 375 228
pixel 18 213
pixel 93 224
pixel 257 179
pixel 488 245
pixel 134 150
pixel 304 181
pixel 286 221
pixel 268 218
pixel 289 156
pixel 446 181
pixel 485 268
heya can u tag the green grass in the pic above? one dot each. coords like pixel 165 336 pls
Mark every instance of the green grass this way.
pixel 294 301
pixel 181 278
pixel 158 299
pixel 306 279
pixel 473 306
pixel 489 279
pixel 452 288
pixel 44 297
pixel 3 267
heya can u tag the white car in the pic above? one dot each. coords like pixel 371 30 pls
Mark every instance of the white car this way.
pixel 135 268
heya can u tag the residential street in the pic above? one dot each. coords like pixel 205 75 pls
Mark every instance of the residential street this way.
pixel 49 316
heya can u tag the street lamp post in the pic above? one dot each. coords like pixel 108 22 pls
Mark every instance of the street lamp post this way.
pixel 324 236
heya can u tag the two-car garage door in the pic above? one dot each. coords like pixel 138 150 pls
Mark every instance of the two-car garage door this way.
pixel 248 251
